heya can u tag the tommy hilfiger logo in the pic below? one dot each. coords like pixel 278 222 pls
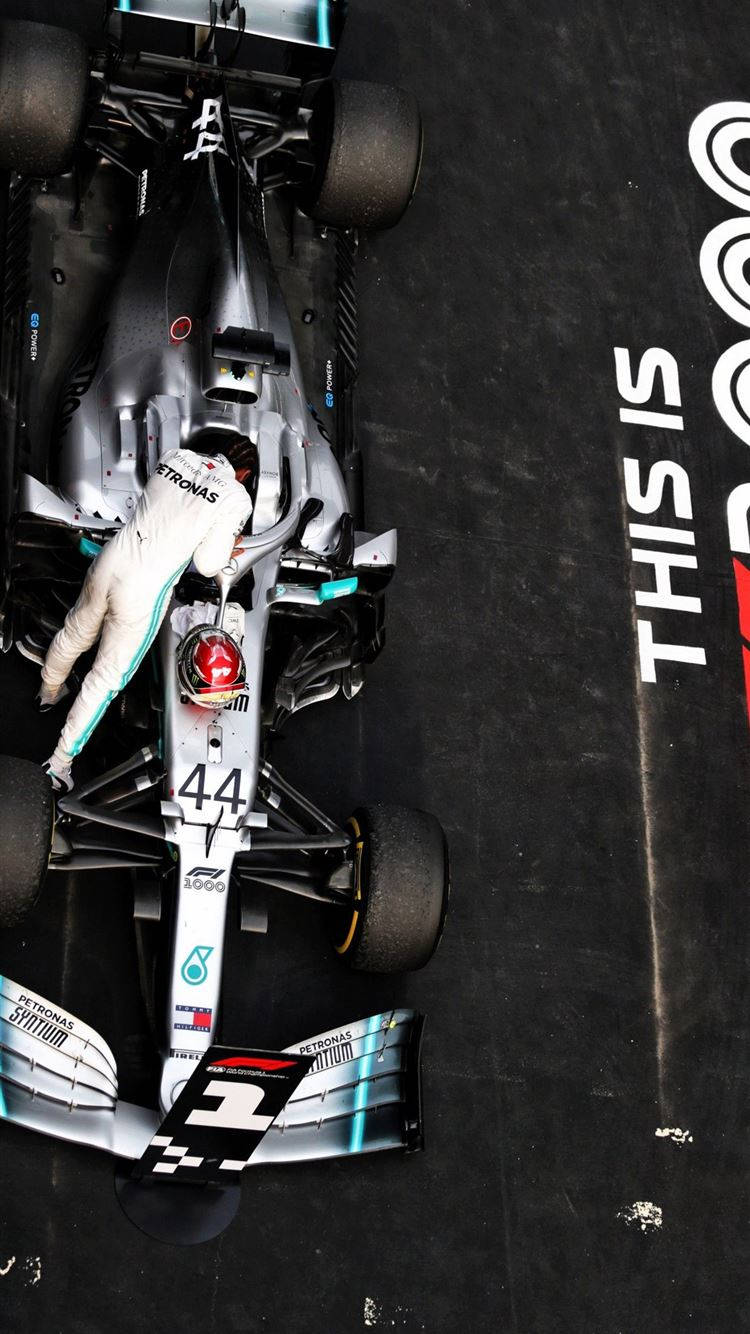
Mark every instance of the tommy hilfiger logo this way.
pixel 196 1017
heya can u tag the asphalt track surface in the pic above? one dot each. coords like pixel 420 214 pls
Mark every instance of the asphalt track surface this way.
pixel 591 987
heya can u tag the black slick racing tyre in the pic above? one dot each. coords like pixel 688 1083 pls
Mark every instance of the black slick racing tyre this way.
pixel 26 821
pixel 401 884
pixel 86 17
pixel 367 142
pixel 43 82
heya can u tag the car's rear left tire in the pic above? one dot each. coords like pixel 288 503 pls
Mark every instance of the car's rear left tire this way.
pixel 395 918
pixel 367 142
pixel 27 811
pixel 43 83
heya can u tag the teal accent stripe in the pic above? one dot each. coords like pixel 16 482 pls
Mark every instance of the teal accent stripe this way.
pixel 3 1107
pixel 360 1093
pixel 337 588
pixel 124 5
pixel 88 548
pixel 143 649
pixel 153 625
pixel 324 32
pixel 80 741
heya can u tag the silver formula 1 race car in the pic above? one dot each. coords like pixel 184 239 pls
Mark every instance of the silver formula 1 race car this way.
pixel 144 193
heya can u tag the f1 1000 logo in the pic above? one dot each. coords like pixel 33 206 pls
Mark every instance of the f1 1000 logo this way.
pixel 205 877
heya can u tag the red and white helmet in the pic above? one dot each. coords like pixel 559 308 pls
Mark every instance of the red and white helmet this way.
pixel 210 667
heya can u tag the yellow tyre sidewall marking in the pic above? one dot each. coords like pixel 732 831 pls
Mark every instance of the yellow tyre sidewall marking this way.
pixel 358 846
pixel 52 832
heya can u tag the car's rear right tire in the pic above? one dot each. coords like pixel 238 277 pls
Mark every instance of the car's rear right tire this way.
pixel 367 142
pixel 43 83
pixel 27 811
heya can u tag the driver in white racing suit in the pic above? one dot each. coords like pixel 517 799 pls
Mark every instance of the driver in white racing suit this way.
pixel 193 507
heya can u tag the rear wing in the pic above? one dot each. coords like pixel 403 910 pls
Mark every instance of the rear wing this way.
pixel 301 22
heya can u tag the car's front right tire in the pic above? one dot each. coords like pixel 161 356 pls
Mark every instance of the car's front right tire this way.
pixel 400 889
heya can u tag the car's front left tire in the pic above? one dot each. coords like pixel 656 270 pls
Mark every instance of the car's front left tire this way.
pixel 27 812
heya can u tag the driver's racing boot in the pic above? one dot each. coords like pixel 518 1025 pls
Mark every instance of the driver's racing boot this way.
pixel 60 778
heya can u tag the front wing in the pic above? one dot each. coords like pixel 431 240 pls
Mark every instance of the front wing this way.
pixel 362 1092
